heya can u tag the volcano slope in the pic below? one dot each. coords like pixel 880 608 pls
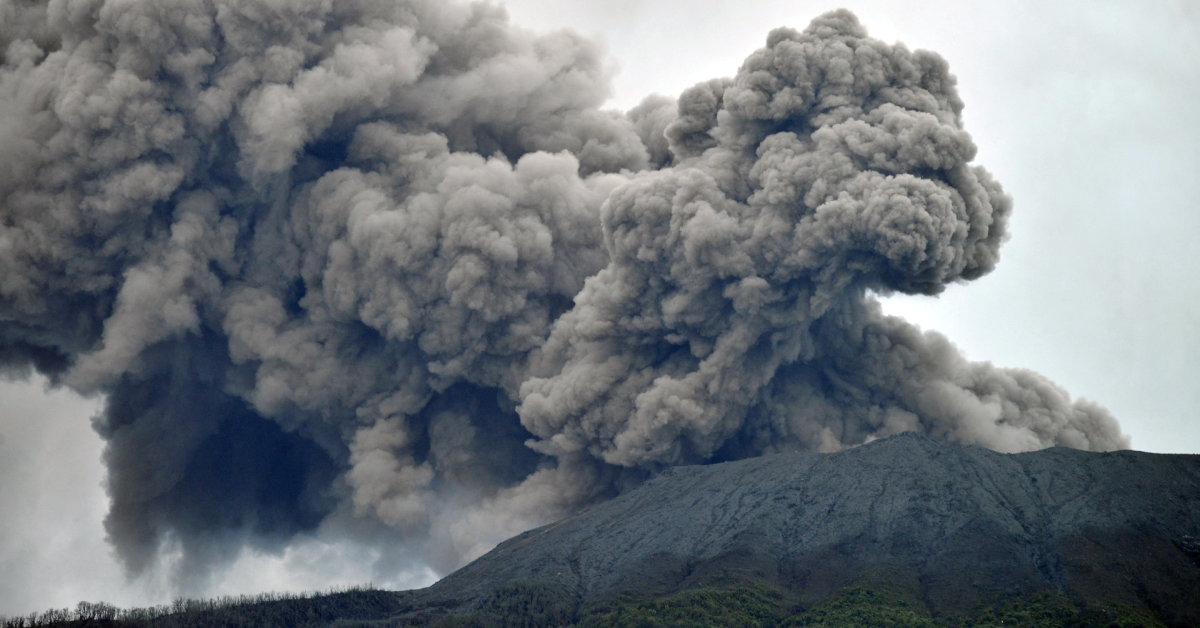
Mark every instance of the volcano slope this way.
pixel 952 529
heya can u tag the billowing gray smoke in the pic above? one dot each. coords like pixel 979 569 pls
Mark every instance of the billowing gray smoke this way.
pixel 387 264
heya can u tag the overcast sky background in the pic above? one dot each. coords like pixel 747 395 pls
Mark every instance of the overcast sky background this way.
pixel 1085 112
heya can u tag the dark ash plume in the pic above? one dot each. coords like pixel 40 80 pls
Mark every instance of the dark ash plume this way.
pixel 387 266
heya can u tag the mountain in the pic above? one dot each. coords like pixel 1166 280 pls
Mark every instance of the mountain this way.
pixel 904 531
pixel 957 527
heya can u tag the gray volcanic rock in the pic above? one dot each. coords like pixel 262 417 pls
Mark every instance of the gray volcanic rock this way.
pixel 959 524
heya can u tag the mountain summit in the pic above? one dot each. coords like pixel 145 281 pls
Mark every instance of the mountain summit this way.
pixel 958 526
pixel 903 531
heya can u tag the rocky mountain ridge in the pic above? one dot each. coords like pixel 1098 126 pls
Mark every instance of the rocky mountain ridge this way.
pixel 959 525
pixel 906 530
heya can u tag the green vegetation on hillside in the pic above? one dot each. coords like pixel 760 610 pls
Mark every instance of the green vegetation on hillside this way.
pixel 752 606
pixel 866 606
pixel 527 604
pixel 1054 609
pixel 534 604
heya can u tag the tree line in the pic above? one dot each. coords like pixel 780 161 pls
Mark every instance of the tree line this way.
pixel 264 609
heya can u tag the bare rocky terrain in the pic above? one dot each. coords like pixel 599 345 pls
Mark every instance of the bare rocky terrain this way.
pixel 958 525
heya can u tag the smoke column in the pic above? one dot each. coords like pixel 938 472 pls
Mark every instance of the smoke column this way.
pixel 387 268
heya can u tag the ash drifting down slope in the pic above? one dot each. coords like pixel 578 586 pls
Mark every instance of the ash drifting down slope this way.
pixel 386 268
pixel 959 525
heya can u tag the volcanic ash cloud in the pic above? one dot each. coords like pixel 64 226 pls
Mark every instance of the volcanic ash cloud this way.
pixel 387 269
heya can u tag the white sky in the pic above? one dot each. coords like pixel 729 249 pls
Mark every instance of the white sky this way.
pixel 1085 112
